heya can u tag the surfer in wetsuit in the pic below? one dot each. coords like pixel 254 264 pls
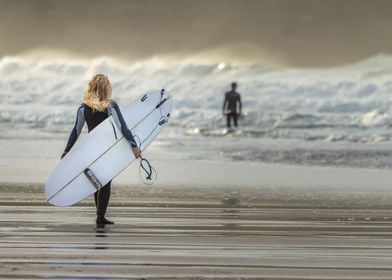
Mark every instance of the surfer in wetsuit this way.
pixel 232 98
pixel 97 106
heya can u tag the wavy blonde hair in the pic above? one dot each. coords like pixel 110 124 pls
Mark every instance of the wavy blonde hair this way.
pixel 98 92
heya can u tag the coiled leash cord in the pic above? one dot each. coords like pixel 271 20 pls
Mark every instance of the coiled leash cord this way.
pixel 150 175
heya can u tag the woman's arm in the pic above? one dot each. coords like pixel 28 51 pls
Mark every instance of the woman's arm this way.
pixel 80 120
pixel 120 122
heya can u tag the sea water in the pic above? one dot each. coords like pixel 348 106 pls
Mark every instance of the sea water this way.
pixel 337 116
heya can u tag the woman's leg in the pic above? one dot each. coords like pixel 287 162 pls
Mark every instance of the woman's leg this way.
pixel 102 200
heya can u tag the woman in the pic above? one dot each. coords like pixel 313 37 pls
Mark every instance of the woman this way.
pixel 97 106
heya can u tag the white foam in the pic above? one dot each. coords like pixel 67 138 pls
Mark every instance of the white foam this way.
pixel 34 92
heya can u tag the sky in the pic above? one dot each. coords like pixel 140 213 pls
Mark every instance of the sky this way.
pixel 296 33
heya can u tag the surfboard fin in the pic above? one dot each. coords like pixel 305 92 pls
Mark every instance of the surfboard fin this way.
pixel 92 178
pixel 162 122
pixel 144 98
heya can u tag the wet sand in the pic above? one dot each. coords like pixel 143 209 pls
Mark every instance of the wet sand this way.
pixel 164 233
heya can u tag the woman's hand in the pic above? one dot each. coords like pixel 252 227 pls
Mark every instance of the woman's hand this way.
pixel 136 152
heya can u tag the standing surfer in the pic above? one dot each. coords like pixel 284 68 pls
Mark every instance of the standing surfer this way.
pixel 232 98
pixel 97 106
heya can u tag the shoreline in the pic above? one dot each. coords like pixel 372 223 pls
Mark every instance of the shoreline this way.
pixel 40 157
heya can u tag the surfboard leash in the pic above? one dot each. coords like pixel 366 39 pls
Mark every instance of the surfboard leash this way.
pixel 150 175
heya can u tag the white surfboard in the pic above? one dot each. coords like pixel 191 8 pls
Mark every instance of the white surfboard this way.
pixel 105 152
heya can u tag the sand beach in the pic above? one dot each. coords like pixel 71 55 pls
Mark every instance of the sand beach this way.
pixel 199 232
pixel 201 220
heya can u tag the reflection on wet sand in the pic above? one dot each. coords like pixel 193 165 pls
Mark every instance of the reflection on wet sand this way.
pixel 101 231
pixel 193 239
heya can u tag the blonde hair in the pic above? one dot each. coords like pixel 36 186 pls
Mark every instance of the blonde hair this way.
pixel 98 93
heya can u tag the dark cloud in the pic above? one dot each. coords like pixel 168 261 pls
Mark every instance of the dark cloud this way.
pixel 293 32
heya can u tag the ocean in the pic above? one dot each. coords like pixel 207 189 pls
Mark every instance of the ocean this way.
pixel 338 116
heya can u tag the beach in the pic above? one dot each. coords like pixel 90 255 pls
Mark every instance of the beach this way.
pixel 167 234
pixel 201 220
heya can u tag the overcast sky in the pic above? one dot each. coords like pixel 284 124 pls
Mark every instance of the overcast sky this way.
pixel 304 33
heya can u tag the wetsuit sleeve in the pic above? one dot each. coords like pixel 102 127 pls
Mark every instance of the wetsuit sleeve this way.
pixel 80 120
pixel 239 103
pixel 120 122
pixel 224 103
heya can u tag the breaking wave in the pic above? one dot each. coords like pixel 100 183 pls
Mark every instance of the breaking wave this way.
pixel 349 103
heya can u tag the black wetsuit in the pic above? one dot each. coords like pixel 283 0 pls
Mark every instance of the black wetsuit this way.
pixel 230 107
pixel 93 118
